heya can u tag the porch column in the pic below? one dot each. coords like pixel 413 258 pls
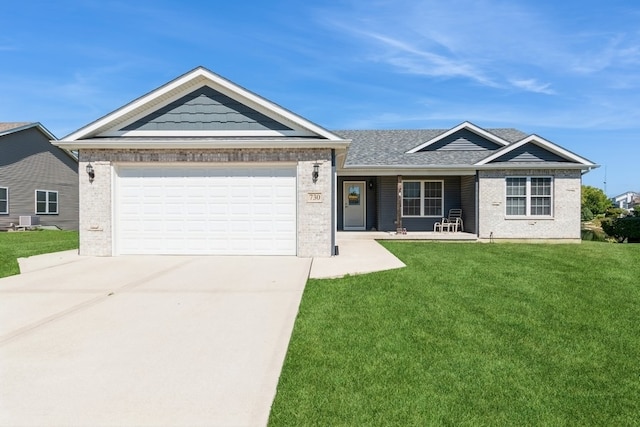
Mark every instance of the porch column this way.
pixel 399 206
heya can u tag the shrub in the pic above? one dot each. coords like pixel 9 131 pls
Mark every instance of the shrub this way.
pixel 615 212
pixel 586 214
pixel 621 229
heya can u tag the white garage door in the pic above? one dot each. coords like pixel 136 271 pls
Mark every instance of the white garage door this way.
pixel 206 210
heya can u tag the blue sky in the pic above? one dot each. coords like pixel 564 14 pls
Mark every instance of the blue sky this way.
pixel 565 70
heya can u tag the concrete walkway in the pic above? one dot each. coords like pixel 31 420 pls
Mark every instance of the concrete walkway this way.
pixel 357 256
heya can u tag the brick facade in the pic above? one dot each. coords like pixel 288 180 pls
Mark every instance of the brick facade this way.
pixel 564 224
pixel 95 214
pixel 314 220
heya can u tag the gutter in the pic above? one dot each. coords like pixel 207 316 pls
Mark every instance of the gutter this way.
pixel 180 144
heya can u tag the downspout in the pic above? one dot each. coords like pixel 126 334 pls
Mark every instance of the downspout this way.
pixel 399 226
pixel 477 204
pixel 334 203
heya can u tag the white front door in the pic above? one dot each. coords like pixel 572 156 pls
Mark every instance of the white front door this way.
pixel 354 201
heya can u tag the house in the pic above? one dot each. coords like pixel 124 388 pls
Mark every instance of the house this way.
pixel 626 200
pixel 37 179
pixel 204 166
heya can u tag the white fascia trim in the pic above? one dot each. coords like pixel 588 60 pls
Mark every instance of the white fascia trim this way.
pixel 413 171
pixel 449 171
pixel 178 144
pixel 542 166
pixel 466 125
pixel 206 133
pixel 541 142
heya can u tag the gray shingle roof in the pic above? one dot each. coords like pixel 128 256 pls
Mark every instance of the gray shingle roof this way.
pixel 5 126
pixel 389 148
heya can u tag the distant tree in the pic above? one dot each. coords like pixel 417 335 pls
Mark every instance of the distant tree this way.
pixel 594 199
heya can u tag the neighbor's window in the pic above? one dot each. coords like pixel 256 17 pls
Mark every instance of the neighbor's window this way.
pixel 4 200
pixel 46 202
pixel 422 198
pixel 529 196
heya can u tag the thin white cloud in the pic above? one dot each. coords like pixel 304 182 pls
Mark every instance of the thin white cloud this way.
pixel 414 60
pixel 532 85
pixel 606 52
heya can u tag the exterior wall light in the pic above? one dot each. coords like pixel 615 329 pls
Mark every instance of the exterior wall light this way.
pixel 316 172
pixel 90 172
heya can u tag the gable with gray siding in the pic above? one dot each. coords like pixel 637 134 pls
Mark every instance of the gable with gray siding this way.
pixel 29 162
pixel 206 109
pixel 530 153
pixel 463 140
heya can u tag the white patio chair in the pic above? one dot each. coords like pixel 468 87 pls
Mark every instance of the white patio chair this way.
pixel 452 222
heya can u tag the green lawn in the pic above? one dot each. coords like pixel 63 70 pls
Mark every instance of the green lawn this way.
pixel 24 244
pixel 471 334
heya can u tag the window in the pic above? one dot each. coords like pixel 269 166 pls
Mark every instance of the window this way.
pixel 529 196
pixel 422 198
pixel 46 202
pixel 4 200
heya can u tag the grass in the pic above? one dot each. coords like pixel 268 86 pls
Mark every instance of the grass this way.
pixel 470 334
pixel 25 244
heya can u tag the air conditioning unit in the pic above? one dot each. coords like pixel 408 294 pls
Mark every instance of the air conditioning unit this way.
pixel 29 220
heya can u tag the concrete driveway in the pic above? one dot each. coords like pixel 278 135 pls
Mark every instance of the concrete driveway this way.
pixel 147 341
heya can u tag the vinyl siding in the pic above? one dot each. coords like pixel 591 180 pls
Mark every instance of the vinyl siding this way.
pixel 206 109
pixel 28 162
pixel 468 203
pixel 463 140
pixel 530 153
pixel 388 199
pixel 387 203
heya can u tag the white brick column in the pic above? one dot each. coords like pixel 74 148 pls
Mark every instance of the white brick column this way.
pixel 314 209
pixel 95 213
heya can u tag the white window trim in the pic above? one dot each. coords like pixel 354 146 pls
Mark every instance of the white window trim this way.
pixel 47 192
pixel 528 196
pixel 6 212
pixel 422 215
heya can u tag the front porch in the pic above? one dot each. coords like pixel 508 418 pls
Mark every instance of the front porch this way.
pixel 410 235
pixel 413 202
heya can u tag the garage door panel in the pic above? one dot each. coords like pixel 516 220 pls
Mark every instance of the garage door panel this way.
pixel 206 210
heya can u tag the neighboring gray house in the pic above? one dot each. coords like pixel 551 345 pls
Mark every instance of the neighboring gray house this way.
pixel 36 177
pixel 204 166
